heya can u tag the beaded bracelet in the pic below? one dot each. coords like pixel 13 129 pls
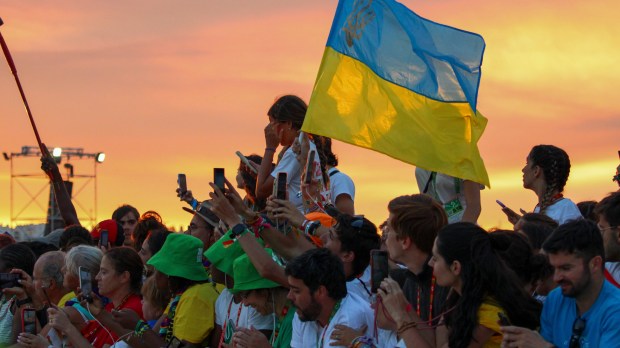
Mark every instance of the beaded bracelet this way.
pixel 141 328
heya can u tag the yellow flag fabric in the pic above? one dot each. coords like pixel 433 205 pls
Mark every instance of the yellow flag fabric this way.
pixel 415 105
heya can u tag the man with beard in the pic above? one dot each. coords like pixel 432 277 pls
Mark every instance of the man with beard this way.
pixel 319 292
pixel 583 310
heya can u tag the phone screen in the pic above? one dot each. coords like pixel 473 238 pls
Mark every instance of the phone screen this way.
pixel 379 268
pixel 29 324
pixel 218 178
pixel 182 182
pixel 103 238
pixel 281 186
pixel 86 284
pixel 310 166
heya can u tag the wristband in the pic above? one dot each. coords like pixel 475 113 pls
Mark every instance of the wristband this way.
pixel 270 149
pixel 238 230
pixel 141 327
pixel 194 204
pixel 23 302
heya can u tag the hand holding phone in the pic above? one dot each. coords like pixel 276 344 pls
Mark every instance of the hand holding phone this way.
pixel 512 216
pixel 379 269
pixel 247 163
pixel 219 179
pixel 280 185
pixel 103 238
pixel 29 321
pixel 9 280
pixel 182 182
pixel 86 285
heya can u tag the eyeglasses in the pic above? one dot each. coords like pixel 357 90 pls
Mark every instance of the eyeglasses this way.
pixel 579 325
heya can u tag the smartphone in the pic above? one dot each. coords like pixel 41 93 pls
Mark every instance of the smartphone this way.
pixel 9 280
pixel 103 238
pixel 182 182
pixel 281 185
pixel 500 204
pixel 219 179
pixel 310 166
pixel 503 319
pixel 378 268
pixel 29 321
pixel 245 161
pixel 86 285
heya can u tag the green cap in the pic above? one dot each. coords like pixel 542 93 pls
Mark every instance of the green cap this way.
pixel 247 277
pixel 224 252
pixel 181 256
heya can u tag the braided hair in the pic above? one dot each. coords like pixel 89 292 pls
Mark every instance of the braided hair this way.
pixel 555 164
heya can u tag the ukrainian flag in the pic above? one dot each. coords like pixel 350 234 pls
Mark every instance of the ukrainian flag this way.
pixel 402 85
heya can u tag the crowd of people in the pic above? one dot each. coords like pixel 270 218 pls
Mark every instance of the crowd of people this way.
pixel 300 267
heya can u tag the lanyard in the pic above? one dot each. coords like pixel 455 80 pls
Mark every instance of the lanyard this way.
pixel 430 310
pixel 331 316
pixel 277 328
pixel 228 317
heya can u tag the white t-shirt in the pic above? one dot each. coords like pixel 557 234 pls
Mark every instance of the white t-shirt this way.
pixel 445 189
pixel 340 183
pixel 242 316
pixel 562 211
pixel 290 165
pixel 310 334
pixel 361 286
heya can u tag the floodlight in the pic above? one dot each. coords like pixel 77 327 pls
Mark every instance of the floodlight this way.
pixel 100 157
pixel 57 152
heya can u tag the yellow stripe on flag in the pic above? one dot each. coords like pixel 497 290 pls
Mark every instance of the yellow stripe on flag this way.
pixel 352 104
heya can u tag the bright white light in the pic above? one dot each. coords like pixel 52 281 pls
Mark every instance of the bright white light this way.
pixel 57 152
pixel 100 157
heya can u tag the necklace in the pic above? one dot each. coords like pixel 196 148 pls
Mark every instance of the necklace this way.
pixel 120 306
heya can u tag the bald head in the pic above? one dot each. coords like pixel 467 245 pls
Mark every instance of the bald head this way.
pixel 49 267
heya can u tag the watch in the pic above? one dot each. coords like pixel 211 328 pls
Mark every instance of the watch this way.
pixel 238 230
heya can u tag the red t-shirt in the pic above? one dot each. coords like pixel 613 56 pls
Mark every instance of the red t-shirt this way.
pixel 133 302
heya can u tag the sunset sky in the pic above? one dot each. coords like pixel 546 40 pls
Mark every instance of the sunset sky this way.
pixel 167 87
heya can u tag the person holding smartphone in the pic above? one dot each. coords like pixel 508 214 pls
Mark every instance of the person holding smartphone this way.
pixel 286 116
pixel 482 285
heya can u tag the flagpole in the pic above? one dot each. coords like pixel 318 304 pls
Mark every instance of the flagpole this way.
pixel 9 59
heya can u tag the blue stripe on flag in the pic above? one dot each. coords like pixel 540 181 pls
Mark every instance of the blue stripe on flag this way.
pixel 431 59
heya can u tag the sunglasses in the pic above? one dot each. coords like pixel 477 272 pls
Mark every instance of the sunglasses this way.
pixel 579 325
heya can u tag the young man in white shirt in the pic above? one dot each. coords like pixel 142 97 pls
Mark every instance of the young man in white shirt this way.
pixel 318 291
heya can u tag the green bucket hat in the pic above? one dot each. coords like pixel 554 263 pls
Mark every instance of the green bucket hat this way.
pixel 224 252
pixel 180 256
pixel 247 277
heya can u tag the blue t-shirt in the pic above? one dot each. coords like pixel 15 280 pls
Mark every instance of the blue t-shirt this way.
pixel 602 319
